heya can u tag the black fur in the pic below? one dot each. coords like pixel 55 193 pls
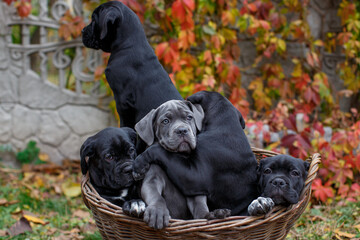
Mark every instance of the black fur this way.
pixel 108 156
pixel 282 178
pixel 135 75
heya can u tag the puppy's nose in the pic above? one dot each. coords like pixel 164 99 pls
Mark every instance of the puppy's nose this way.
pixel 181 131
pixel 278 182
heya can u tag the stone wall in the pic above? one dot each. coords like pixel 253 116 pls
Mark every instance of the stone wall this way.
pixel 33 108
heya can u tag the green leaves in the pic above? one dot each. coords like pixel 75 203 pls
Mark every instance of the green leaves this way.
pixel 30 154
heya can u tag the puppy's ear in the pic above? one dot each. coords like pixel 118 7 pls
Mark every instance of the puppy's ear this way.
pixel 107 21
pixel 198 114
pixel 307 165
pixel 259 168
pixel 86 153
pixel 145 127
pixel 132 134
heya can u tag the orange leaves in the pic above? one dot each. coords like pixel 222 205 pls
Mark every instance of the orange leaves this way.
pixel 186 39
pixel 70 26
pixel 322 192
pixel 136 7
pixel 238 99
pixel 182 11
pixel 258 25
pixel 169 52
pixel 259 9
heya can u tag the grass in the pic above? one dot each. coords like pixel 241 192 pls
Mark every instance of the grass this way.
pixel 60 216
pixel 66 217
pixel 335 221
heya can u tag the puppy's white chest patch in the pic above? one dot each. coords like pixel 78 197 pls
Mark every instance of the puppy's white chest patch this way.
pixel 123 194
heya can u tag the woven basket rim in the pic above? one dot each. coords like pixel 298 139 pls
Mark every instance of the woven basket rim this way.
pixel 93 199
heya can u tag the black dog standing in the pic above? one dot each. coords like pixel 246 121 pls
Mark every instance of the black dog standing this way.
pixel 135 75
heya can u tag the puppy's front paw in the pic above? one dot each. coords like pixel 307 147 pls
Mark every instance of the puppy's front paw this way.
pixel 140 168
pixel 134 208
pixel 260 206
pixel 157 216
pixel 218 214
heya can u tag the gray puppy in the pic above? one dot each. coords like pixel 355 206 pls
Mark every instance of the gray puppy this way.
pixel 174 125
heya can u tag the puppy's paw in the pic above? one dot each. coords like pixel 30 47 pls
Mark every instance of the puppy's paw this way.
pixel 218 214
pixel 140 168
pixel 134 208
pixel 157 216
pixel 260 206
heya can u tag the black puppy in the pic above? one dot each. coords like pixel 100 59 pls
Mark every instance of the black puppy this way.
pixel 135 75
pixel 222 167
pixel 280 181
pixel 108 156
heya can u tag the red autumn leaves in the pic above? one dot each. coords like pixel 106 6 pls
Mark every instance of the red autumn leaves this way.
pixel 23 7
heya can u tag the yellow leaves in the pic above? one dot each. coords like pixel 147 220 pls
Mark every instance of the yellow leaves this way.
pixel 346 11
pixel 341 235
pixel 228 34
pixel 34 219
pixel 281 45
pixel 71 189
pixel 297 72
pixel 259 94
pixel 229 17
pixel 350 79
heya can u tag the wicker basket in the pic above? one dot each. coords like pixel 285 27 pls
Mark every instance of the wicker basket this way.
pixel 114 224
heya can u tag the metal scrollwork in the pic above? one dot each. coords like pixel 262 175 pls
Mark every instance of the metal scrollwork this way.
pixel 43 13
pixel 47 50
pixel 60 59
pixel 77 67
pixel 330 62
pixel 58 9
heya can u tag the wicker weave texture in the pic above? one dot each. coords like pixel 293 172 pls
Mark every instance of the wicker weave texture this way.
pixel 114 224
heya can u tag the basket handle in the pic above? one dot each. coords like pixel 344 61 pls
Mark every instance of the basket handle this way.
pixel 314 167
pixel 83 182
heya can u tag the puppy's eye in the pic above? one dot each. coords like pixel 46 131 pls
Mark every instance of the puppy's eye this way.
pixel 131 151
pixel 267 171
pixel 295 173
pixel 165 121
pixel 189 117
pixel 108 157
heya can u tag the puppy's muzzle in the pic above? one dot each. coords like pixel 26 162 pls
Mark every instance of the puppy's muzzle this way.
pixel 181 131
pixel 126 167
pixel 278 182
